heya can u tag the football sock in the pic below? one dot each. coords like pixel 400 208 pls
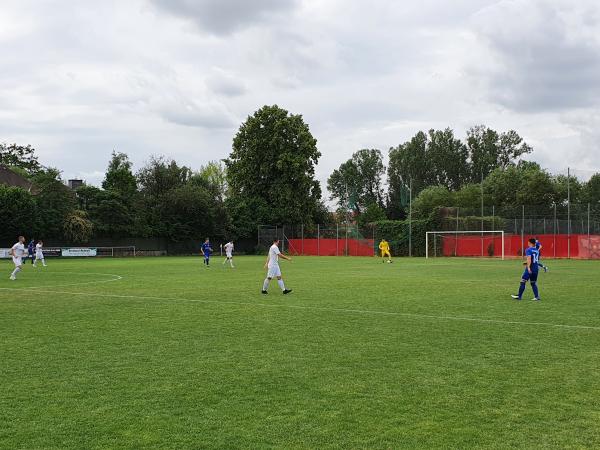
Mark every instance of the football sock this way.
pixel 521 289
pixel 281 285
pixel 534 287
pixel 265 284
pixel 16 271
pixel 231 262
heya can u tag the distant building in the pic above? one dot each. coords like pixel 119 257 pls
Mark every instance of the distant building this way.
pixel 10 178
pixel 74 184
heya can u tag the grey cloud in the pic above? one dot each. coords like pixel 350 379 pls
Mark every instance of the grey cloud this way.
pixel 221 82
pixel 222 17
pixel 192 114
pixel 543 55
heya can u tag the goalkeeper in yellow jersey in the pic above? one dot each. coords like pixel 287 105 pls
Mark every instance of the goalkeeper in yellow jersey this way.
pixel 384 247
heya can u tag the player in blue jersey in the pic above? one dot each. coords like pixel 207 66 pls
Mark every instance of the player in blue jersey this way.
pixel 30 251
pixel 531 271
pixel 206 251
pixel 538 245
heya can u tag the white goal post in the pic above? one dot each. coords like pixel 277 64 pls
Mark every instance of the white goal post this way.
pixel 480 233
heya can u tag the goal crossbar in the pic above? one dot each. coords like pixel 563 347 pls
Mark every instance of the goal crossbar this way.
pixel 456 233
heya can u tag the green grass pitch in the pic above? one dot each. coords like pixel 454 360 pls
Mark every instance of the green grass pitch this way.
pixel 165 353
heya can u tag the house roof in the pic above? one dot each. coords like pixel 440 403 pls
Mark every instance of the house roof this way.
pixel 10 178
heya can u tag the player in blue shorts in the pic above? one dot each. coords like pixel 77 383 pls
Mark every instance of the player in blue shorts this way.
pixel 531 271
pixel 206 251
pixel 538 245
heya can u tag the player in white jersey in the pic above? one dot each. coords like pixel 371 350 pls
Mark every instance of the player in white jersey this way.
pixel 39 254
pixel 273 270
pixel 17 252
pixel 229 253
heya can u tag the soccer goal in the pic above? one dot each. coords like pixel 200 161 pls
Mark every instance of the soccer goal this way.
pixel 464 243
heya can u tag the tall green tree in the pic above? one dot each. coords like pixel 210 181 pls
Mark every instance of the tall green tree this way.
pixel 273 159
pixel 54 202
pixel 523 184
pixel 408 162
pixel 110 213
pixel 215 178
pixel 21 157
pixel 358 182
pixel 567 187
pixel 591 192
pixel 18 208
pixel 119 177
pixel 489 150
pixel 429 159
pixel 448 159
pixel 156 180
pixel 436 158
pixel 344 184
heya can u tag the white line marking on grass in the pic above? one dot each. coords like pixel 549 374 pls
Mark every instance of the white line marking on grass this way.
pixel 325 309
pixel 115 278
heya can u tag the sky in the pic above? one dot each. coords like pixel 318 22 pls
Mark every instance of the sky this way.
pixel 79 79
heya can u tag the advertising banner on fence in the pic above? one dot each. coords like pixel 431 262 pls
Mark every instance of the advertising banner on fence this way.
pixel 79 252
pixel 4 253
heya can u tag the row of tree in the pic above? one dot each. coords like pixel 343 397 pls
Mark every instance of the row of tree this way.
pixel 439 170
pixel 269 178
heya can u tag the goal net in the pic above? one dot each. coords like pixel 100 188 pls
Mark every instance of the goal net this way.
pixel 486 244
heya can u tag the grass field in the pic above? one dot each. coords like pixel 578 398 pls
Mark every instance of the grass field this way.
pixel 164 353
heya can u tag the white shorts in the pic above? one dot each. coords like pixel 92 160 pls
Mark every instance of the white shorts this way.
pixel 39 256
pixel 274 272
pixel 228 255
pixel 17 261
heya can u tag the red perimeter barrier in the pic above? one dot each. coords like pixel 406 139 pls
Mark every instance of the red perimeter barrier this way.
pixel 331 247
pixel 553 246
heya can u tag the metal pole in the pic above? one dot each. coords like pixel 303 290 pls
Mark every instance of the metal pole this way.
pixel 347 239
pixel 357 240
pixel 568 212
pixel 589 239
pixel 302 241
pixel 318 240
pixel 554 231
pixel 493 228
pixel 522 230
pixel 482 213
pixel 456 235
pixel 373 232
pixel 283 238
pixel 337 237
pixel 410 218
